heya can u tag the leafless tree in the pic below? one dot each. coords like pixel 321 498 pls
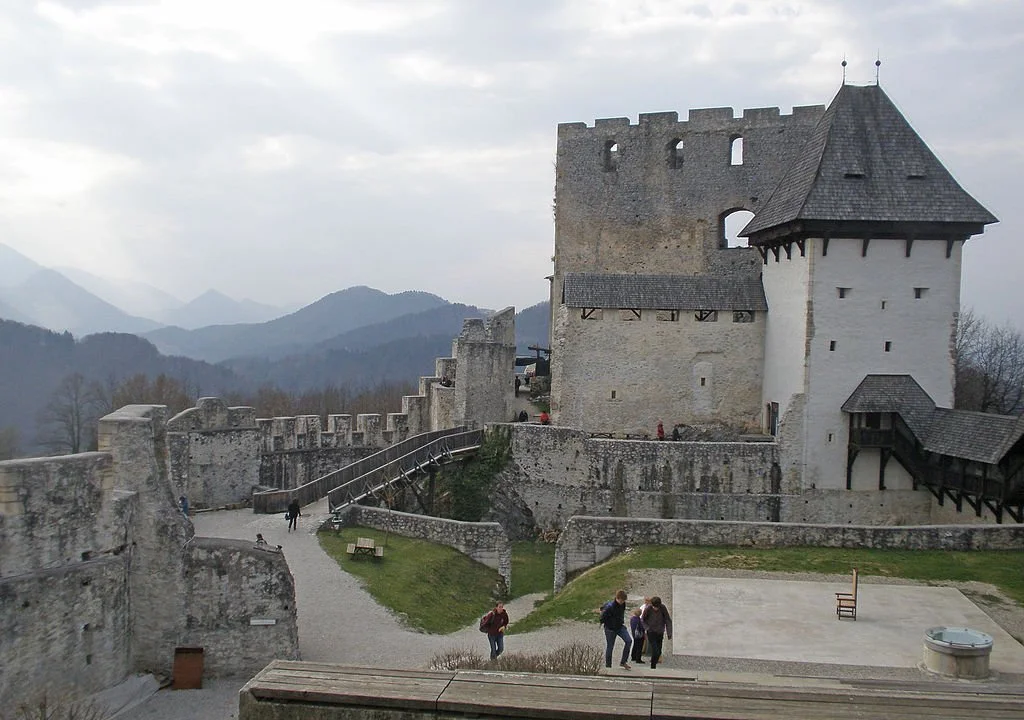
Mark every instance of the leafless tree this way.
pixel 989 366
pixel 68 422
pixel 9 443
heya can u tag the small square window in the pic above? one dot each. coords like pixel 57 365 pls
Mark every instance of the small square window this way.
pixel 920 292
pixel 888 345
pixel 831 345
pixel 843 292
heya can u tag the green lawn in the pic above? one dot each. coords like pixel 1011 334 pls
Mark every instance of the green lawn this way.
pixel 533 568
pixel 436 588
pixel 584 595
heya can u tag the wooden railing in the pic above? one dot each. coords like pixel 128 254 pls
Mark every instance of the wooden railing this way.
pixel 358 487
pixel 277 500
pixel 872 437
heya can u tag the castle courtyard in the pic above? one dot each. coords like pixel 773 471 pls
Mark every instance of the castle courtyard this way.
pixel 753 629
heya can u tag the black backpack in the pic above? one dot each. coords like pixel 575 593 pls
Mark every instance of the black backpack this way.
pixel 485 620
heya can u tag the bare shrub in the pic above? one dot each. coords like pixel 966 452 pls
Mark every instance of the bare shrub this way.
pixel 572 659
pixel 61 708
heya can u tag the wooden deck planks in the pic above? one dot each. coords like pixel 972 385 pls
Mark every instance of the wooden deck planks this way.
pixel 548 697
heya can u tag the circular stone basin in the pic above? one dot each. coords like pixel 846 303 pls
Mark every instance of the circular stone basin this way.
pixel 957 652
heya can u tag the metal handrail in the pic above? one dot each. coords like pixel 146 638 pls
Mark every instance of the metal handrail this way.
pixel 273 501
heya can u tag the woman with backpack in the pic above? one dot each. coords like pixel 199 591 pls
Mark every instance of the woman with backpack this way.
pixel 494 624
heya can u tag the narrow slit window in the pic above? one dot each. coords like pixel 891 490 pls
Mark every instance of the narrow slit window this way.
pixel 736 150
pixel 920 292
pixel 611 156
pixel 888 345
pixel 675 153
pixel 883 304
pixel 613 394
pixel 703 382
pixel 831 345
pixel 843 292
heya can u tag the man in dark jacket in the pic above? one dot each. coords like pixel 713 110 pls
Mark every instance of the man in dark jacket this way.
pixel 613 620
pixel 495 623
pixel 293 515
pixel 657 623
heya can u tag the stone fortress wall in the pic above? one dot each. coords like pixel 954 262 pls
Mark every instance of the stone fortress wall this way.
pixel 219 454
pixel 558 473
pixel 101 575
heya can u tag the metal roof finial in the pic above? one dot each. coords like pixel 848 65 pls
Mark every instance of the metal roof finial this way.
pixel 844 69
pixel 878 64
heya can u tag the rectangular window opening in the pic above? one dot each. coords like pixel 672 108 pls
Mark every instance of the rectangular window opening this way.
pixel 888 345
pixel 920 292
pixel 743 316
pixel 706 316
pixel 831 345
pixel 843 292
pixel 613 394
pixel 703 382
pixel 883 304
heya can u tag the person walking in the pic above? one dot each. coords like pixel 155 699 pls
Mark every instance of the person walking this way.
pixel 636 629
pixel 183 505
pixel 613 620
pixel 494 624
pixel 657 623
pixel 293 515
pixel 660 431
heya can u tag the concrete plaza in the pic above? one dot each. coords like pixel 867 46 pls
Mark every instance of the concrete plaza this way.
pixel 795 621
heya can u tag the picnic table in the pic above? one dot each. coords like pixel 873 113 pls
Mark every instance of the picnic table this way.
pixel 365 547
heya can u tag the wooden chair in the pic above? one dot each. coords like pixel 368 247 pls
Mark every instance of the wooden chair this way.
pixel 846 603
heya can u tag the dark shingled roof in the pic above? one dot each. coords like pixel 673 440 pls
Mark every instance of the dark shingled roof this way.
pixel 664 292
pixel 865 163
pixel 981 437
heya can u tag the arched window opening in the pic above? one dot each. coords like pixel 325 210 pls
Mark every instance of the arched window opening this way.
pixel 611 155
pixel 732 223
pixel 675 153
pixel 736 151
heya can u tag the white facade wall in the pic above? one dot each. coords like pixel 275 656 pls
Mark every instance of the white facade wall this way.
pixel 786 287
pixel 921 332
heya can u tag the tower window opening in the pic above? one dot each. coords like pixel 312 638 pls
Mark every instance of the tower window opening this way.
pixel 831 345
pixel 920 292
pixel 843 292
pixel 888 345
pixel 611 156
pixel 675 153
pixel 731 224
pixel 736 150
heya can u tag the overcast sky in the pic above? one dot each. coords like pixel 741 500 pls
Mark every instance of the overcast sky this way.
pixel 280 151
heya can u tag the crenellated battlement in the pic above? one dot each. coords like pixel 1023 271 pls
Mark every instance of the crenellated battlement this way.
pixel 699 119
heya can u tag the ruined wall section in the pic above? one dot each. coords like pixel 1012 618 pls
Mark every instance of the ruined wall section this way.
pixel 214 453
pixel 136 439
pixel 240 605
pixel 64 630
pixel 58 511
pixel 484 384
pixel 649 207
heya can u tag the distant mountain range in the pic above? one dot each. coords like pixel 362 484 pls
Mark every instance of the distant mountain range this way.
pixel 354 338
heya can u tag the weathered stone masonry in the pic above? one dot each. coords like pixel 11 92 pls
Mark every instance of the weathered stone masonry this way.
pixel 101 575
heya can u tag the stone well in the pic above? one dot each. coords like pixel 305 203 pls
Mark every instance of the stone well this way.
pixel 957 652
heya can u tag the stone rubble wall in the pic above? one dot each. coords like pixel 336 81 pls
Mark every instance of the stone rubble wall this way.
pixel 64 630
pixel 229 585
pixel 586 541
pixel 485 542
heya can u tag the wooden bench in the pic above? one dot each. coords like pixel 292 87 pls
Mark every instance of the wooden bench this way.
pixel 846 603
pixel 365 547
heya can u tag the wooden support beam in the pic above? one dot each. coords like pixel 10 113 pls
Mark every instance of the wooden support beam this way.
pixel 864 247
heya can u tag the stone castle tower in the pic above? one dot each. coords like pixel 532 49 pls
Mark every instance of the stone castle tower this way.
pixel 853 270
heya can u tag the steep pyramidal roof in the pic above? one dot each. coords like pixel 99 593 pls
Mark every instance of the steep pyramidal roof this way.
pixel 865 164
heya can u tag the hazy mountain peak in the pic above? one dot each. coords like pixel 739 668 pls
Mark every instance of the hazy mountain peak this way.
pixel 15 268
